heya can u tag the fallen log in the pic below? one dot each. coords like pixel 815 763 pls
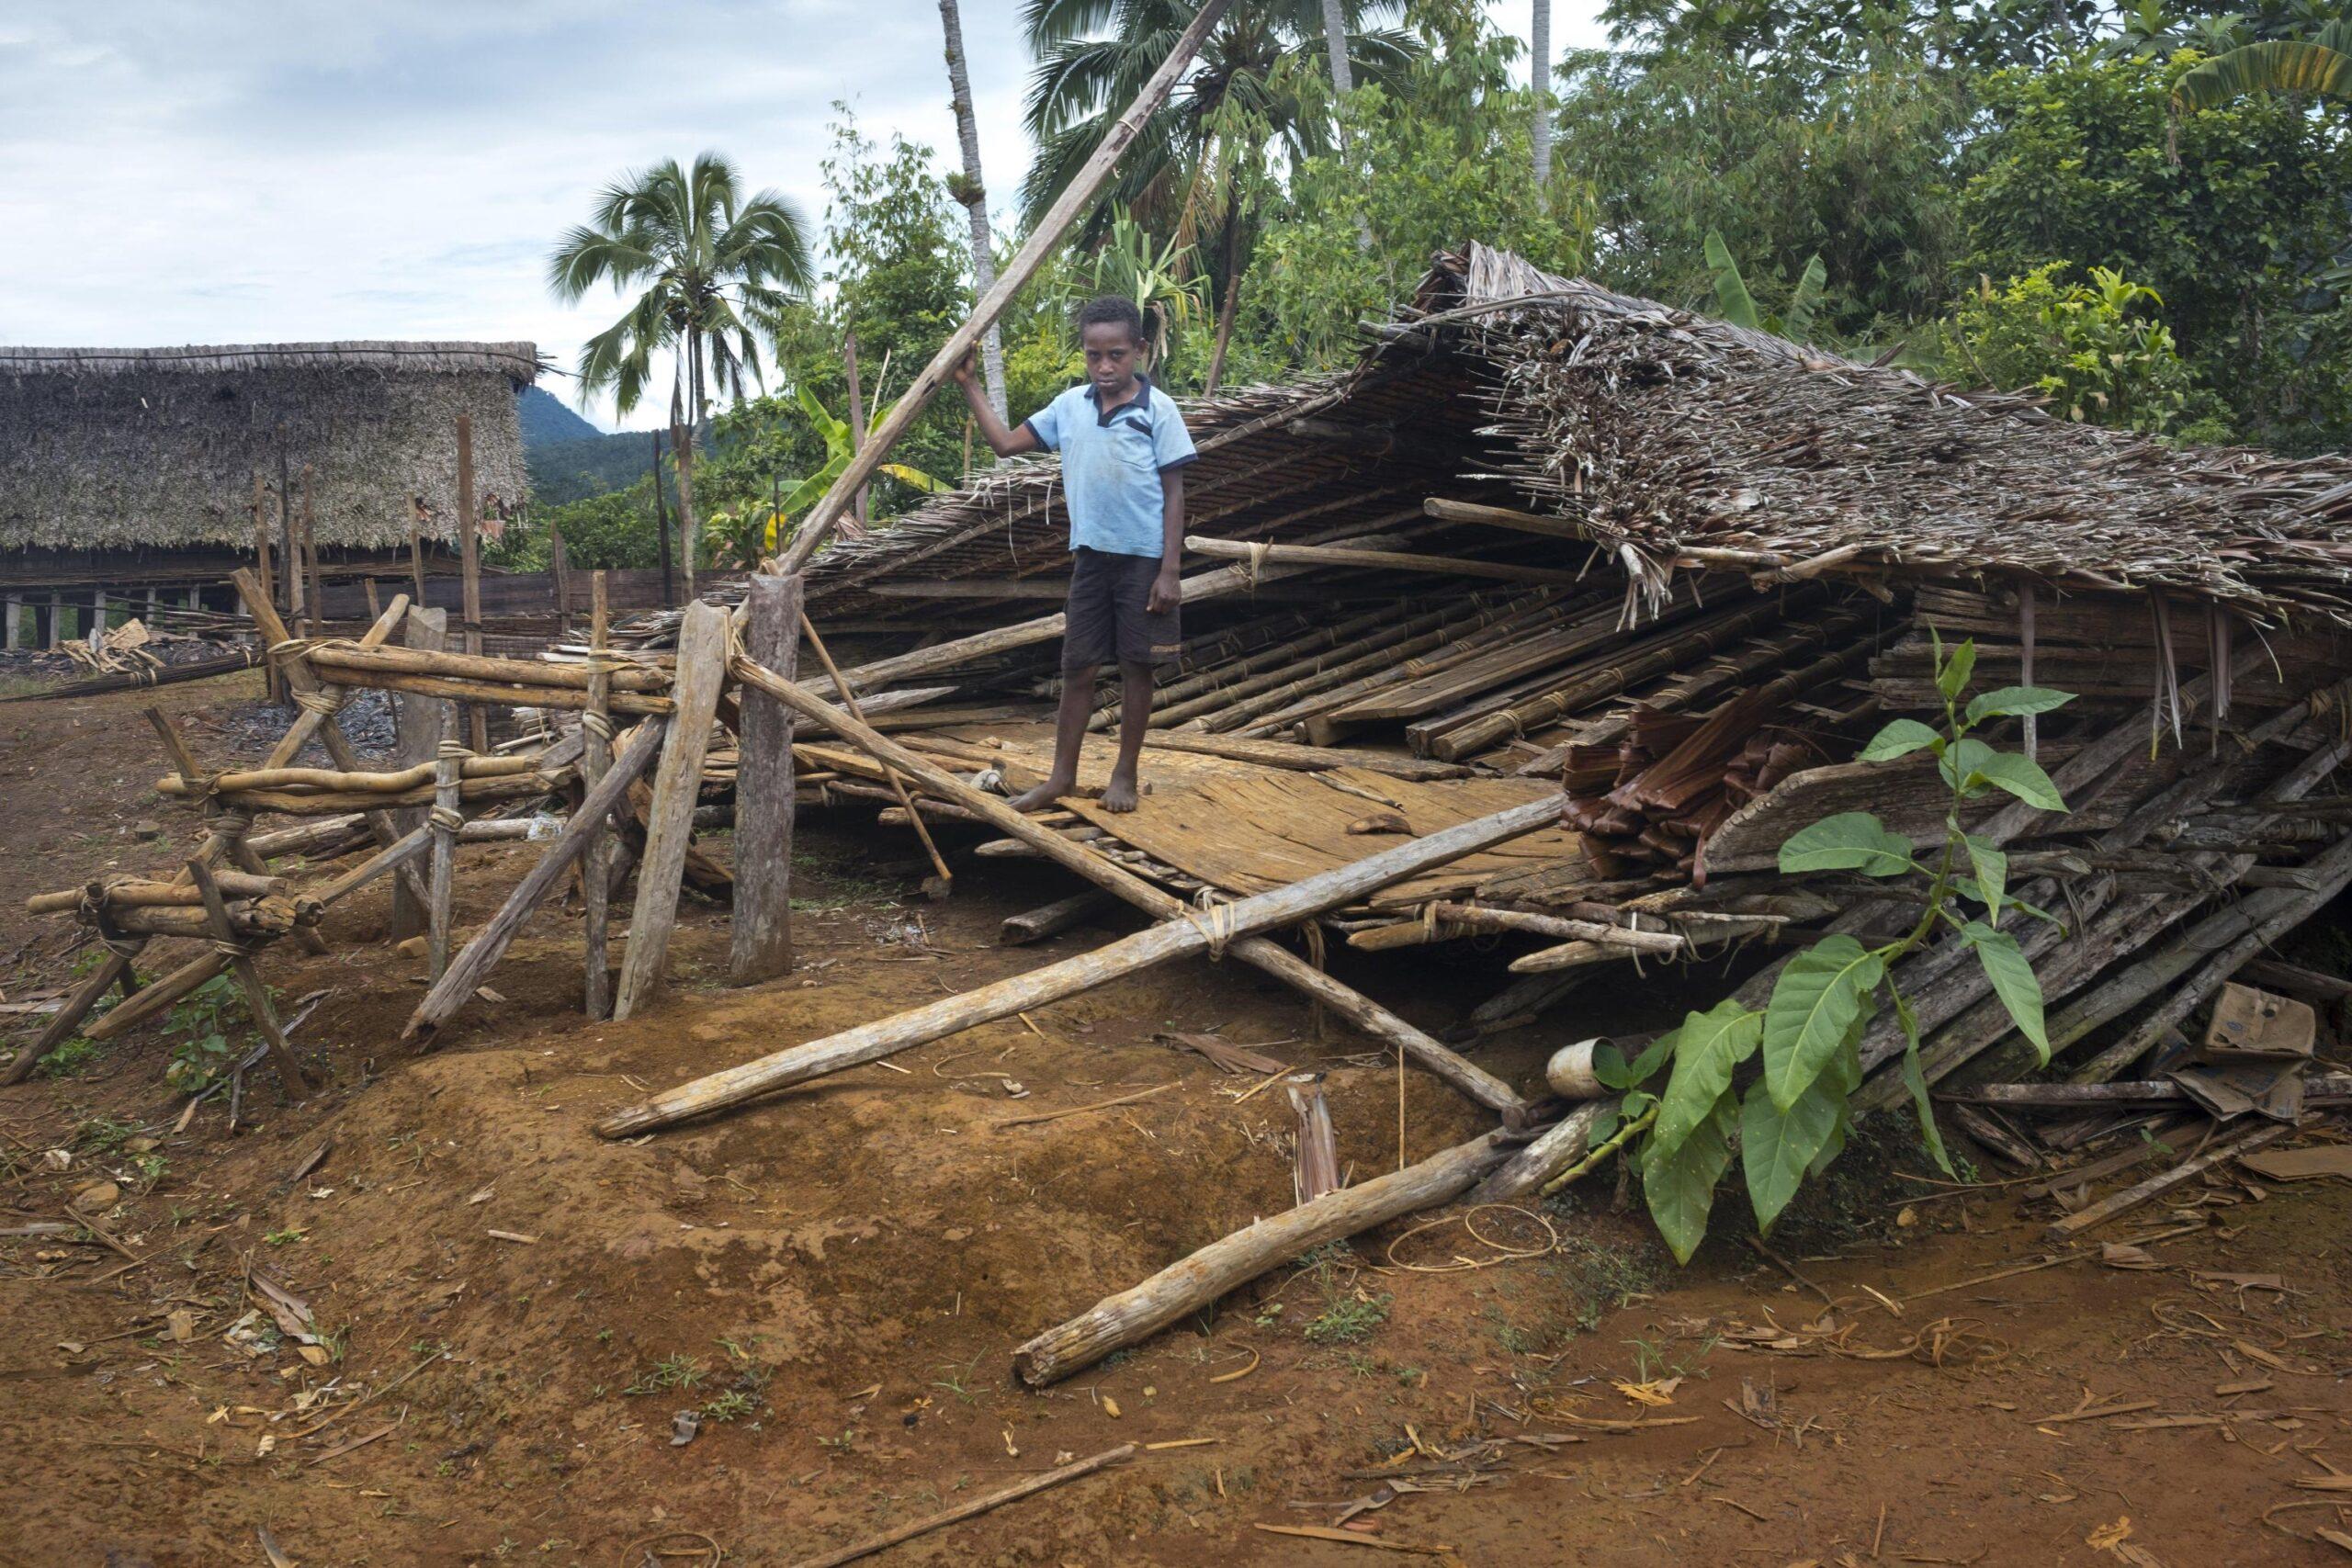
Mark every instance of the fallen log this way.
pixel 1194 1283
pixel 1051 919
pixel 965 1511
pixel 2120 1093
pixel 1454 919
pixel 1543 1162
pixel 167 675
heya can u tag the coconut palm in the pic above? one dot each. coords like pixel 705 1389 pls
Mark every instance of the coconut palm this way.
pixel 973 193
pixel 2321 63
pixel 715 270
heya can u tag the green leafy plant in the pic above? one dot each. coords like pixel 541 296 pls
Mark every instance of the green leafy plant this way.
pixel 1791 1122
pixel 214 1025
pixel 1735 305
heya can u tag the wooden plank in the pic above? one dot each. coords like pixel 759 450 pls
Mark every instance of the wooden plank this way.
pixel 701 670
pixel 473 964
pixel 1044 239
pixel 760 945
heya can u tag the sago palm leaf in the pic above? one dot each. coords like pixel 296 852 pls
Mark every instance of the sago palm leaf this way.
pixel 2322 66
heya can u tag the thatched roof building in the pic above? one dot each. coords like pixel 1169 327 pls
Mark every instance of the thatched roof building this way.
pixel 1674 440
pixel 155 449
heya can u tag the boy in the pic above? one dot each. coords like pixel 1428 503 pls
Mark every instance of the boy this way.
pixel 1124 450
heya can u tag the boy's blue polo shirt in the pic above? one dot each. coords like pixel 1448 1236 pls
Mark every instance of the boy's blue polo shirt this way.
pixel 1112 464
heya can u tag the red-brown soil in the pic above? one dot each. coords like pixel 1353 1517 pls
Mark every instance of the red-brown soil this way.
pixel 855 1260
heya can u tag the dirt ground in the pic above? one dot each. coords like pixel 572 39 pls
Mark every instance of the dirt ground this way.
pixel 514 1313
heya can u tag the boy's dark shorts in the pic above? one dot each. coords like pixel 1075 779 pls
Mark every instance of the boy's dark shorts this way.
pixel 1107 620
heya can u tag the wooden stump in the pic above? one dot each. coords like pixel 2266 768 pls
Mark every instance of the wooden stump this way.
pixel 761 943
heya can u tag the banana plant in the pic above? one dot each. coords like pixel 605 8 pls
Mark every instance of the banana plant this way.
pixel 1735 305
pixel 1163 280
pixel 2321 64
pixel 838 449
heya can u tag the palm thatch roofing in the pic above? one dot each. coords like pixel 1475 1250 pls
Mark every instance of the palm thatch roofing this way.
pixel 1676 441
pixel 114 450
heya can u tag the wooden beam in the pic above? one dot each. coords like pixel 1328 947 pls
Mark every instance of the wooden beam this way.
pixel 1505 517
pixel 1044 238
pixel 760 943
pixel 264 1016
pixel 701 672
pixel 470 565
pixel 1318 555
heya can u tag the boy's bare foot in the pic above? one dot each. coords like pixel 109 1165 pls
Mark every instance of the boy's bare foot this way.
pixel 1044 795
pixel 1119 794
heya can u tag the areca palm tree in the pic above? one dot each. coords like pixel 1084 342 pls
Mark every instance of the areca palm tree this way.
pixel 714 268
pixel 2321 64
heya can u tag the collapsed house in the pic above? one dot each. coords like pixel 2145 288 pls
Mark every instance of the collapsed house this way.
pixel 135 480
pixel 1546 625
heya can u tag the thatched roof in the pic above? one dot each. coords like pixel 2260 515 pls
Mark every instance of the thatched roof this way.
pixel 1660 432
pixel 120 449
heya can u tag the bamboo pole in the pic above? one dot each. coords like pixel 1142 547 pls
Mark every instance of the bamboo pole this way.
pixel 1318 555
pixel 1194 1283
pixel 330 698
pixel 328 779
pixel 1518 522
pixel 1044 239
pixel 1454 919
pixel 702 670
pixel 473 964
pixel 595 760
pixel 470 564
pixel 508 694
pixel 369 659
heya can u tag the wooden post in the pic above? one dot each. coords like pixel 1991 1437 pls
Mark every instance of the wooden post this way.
pixel 662 527
pixel 682 444
pixel 1043 241
pixel 596 760
pixel 447 817
pixel 224 936
pixel 12 611
pixel 368 586
pixel 559 568
pixel 416 551
pixel 317 597
pixel 469 563
pixel 53 623
pixel 701 672
pixel 154 596
pixel 273 682
pixel 289 559
pixel 416 736
pixel 469 968
pixel 760 945
pixel 857 421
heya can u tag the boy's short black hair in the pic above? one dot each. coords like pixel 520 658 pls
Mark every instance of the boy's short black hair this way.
pixel 1111 310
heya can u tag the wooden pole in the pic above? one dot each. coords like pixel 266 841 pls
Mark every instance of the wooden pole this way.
pixel 701 672
pixel 1043 241
pixel 273 682
pixel 856 421
pixel 1051 919
pixel 308 721
pixel 289 557
pixel 416 734
pixel 264 1016
pixel 1026 1487
pixel 481 955
pixel 368 586
pixel 559 567
pixel 1195 1283
pixel 596 760
pixel 1180 937
pixel 2131 1198
pixel 469 563
pixel 447 817
pixel 1395 560
pixel 760 944
pixel 316 599
pixel 848 694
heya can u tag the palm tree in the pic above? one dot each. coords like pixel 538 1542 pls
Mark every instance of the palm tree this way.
pixel 2321 64
pixel 973 193
pixel 1183 175
pixel 715 270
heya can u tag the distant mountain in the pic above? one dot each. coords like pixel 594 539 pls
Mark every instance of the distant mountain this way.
pixel 547 421
pixel 572 471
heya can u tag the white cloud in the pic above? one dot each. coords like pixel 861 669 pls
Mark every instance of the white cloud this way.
pixel 258 171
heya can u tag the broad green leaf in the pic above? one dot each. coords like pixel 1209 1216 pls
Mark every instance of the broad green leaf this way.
pixel 2013 980
pixel 2322 64
pixel 1952 679
pixel 1680 1184
pixel 1707 1047
pixel 1851 841
pixel 915 479
pixel 1820 994
pixel 1797 325
pixel 1777 1147
pixel 1992 870
pixel 2013 701
pixel 2024 779
pixel 1963 762
pixel 1733 301
pixel 1609 1063
pixel 1915 1078
pixel 1900 738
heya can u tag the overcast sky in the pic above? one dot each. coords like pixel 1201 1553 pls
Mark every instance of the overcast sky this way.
pixel 257 171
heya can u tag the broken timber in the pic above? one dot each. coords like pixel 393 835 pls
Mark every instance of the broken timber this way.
pixel 1183 932
pixel 702 670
